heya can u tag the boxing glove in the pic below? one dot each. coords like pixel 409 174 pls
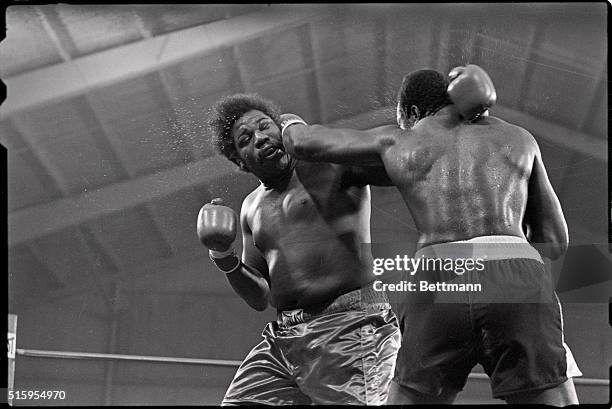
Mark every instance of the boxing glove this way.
pixel 289 119
pixel 217 228
pixel 471 90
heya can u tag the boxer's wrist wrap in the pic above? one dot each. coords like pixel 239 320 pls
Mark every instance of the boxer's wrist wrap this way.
pixel 228 253
pixel 221 254
pixel 288 123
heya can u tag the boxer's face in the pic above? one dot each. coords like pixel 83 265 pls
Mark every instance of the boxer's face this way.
pixel 258 142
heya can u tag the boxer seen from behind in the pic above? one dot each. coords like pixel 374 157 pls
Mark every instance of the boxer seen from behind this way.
pixel 335 339
pixel 470 181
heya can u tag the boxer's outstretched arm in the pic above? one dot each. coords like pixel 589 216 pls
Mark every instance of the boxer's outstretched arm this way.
pixel 543 215
pixel 318 143
pixel 249 280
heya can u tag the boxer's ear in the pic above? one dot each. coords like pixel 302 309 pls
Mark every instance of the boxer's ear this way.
pixel 414 116
pixel 238 161
pixel 242 166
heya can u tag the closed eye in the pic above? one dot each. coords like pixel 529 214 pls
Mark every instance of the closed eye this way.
pixel 245 138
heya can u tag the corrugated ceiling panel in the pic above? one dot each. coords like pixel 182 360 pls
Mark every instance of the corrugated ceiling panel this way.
pixel 67 256
pixel 131 236
pixel 410 46
pixel 94 28
pixel 202 75
pixel 28 183
pixel 190 125
pixel 597 121
pixel 551 85
pixel 138 117
pixel 70 143
pixel 589 209
pixel 343 34
pixel 349 85
pixel 177 216
pixel 28 277
pixel 9 137
pixel 274 54
pixel 578 41
pixel 301 98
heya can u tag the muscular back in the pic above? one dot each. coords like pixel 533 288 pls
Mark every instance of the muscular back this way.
pixel 463 180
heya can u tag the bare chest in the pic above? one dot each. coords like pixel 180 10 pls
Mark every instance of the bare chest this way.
pixel 278 214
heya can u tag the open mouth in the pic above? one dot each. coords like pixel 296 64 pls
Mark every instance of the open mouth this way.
pixel 271 152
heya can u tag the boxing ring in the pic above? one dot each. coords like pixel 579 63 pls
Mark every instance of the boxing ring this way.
pixel 14 352
pixel 38 353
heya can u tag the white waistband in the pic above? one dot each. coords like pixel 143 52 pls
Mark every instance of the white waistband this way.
pixel 484 247
pixel 492 239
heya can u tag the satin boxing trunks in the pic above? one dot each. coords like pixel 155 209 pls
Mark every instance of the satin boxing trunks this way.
pixel 513 326
pixel 343 354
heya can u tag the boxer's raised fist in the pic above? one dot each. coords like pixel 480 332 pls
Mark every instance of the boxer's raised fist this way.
pixel 217 226
pixel 471 90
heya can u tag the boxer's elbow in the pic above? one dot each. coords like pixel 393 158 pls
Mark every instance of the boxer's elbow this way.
pixel 259 303
pixel 553 241
pixel 560 245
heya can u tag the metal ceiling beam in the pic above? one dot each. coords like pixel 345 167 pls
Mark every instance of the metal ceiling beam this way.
pixel 316 101
pixel 56 31
pixel 119 63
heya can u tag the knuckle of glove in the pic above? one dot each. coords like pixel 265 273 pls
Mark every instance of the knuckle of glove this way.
pixel 455 72
pixel 285 118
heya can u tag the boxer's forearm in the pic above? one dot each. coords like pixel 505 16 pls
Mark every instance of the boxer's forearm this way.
pixel 251 287
pixel 544 214
pixel 549 244
pixel 547 227
pixel 317 143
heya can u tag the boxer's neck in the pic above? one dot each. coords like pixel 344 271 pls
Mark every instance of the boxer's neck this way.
pixel 280 180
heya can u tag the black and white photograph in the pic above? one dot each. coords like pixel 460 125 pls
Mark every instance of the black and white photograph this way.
pixel 307 204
